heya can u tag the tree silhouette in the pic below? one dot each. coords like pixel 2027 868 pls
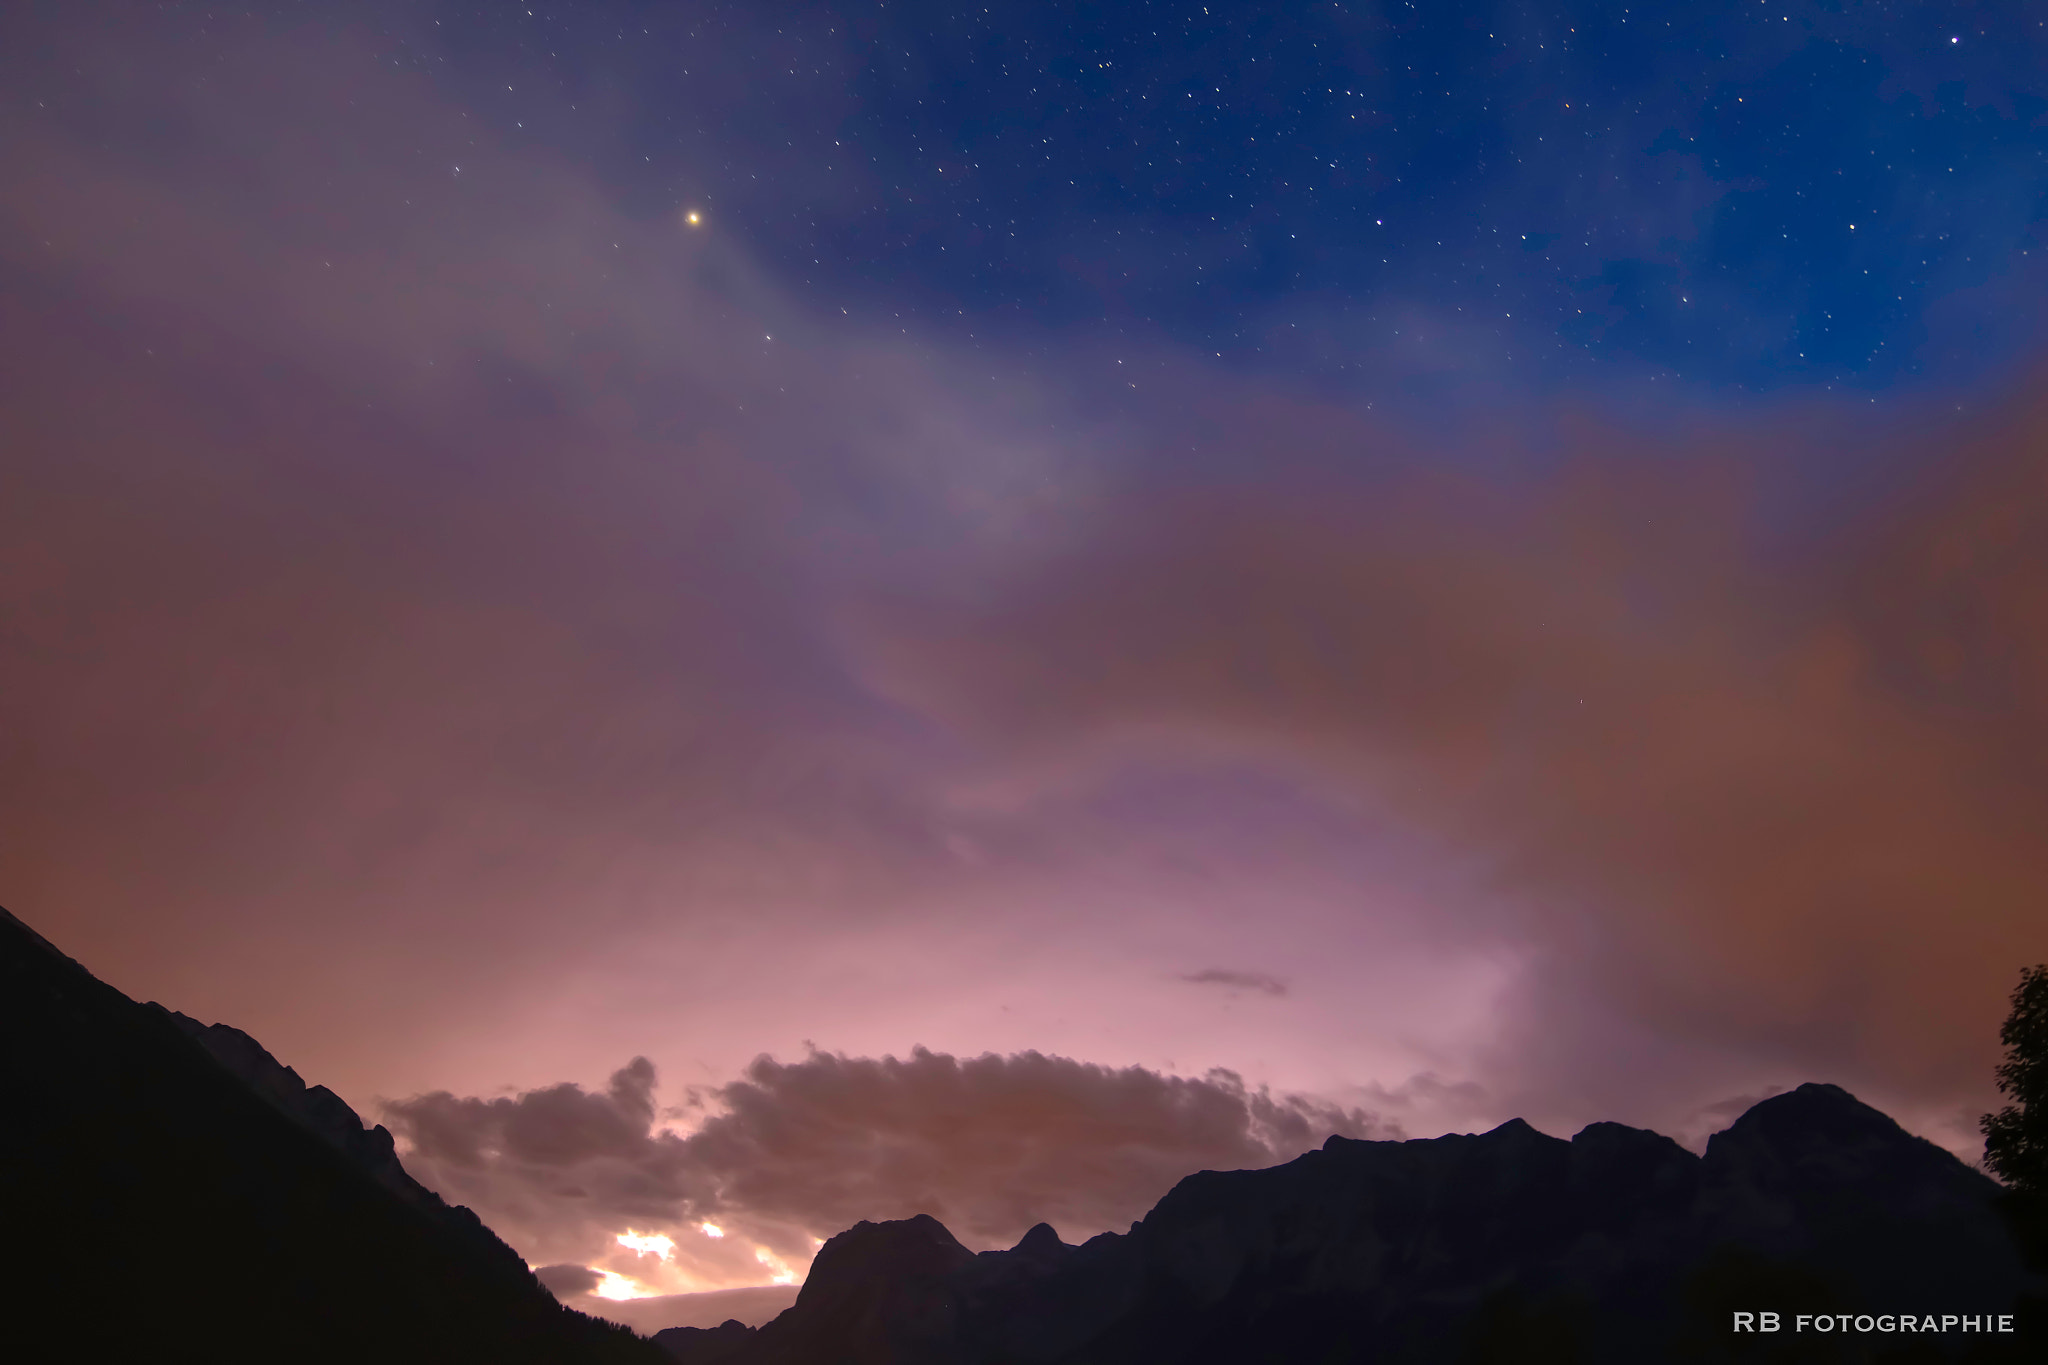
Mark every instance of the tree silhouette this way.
pixel 2016 1137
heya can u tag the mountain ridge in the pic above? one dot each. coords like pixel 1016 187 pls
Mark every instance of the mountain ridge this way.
pixel 1617 1245
pixel 161 1207
pixel 217 1167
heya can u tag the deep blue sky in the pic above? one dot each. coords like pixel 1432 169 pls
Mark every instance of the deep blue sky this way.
pixel 1744 196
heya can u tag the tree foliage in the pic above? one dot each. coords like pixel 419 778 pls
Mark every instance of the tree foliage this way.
pixel 2016 1137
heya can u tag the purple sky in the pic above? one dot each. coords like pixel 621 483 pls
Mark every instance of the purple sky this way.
pixel 471 632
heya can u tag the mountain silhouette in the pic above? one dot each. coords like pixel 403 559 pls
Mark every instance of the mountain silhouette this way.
pixel 170 1193
pixel 1618 1246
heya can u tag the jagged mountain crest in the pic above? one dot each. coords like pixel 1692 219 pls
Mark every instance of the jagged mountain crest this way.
pixel 160 1206
pixel 1617 1246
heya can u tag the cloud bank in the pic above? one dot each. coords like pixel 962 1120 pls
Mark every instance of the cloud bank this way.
pixel 791 1153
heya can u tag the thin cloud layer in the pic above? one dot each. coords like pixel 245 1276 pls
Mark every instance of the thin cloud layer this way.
pixel 464 630
pixel 793 1152
pixel 1729 790
pixel 476 539
pixel 1236 980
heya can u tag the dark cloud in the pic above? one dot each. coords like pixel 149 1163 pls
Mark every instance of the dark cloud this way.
pixel 559 1126
pixel 568 1281
pixel 793 1152
pixel 991 1145
pixel 1246 981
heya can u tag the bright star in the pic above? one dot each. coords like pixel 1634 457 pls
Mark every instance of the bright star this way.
pixel 693 218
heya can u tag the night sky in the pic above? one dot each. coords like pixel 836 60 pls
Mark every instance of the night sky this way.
pixel 742 617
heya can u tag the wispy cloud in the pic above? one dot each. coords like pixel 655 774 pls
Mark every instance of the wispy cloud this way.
pixel 1244 981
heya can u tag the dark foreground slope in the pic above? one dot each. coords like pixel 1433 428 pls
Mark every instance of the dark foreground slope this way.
pixel 1618 1246
pixel 156 1206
